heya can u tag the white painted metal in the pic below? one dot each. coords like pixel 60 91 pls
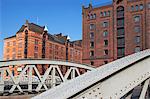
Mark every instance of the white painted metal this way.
pixel 145 87
pixel 115 85
pixel 30 79
pixel 1 81
pixel 42 61
pixel 53 77
pixel 40 80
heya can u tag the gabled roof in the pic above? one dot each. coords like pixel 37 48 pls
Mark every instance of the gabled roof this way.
pixel 59 38
pixel 32 27
pixel 10 37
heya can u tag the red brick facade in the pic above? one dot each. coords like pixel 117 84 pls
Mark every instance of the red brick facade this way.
pixel 34 42
pixel 115 30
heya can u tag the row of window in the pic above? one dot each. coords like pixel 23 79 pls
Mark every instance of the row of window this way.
pixel 120 22
pixel 106 52
pixel 107 13
pixel 121 41
pixel 102 14
pixel 13 57
pixel 13 50
pixel 137 7
pixel 92 43
pixel 105 34
pixel 9 43
pixel 103 24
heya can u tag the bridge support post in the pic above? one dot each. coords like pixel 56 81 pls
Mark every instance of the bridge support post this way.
pixel 53 76
pixel 30 78
pixel 1 81
pixel 145 87
pixel 73 73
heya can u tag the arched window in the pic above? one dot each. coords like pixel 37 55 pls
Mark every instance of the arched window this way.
pixel 91 16
pixel 120 11
pixel 120 8
pixel 132 8
pixel 94 16
pixel 136 7
pixel 121 32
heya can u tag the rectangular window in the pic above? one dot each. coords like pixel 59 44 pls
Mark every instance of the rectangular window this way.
pixel 20 45
pixel 14 43
pixel 120 32
pixel 56 47
pixel 105 24
pixel 137 49
pixel 137 29
pixel 105 62
pixel 105 13
pixel 13 56
pixel 121 41
pixel 92 26
pixel 137 39
pixel 92 44
pixel 35 48
pixel 136 18
pixel 105 42
pixel 149 5
pixel 91 35
pixel 108 13
pixel 121 52
pixel 106 52
pixel 92 63
pixel 36 42
pixel 91 53
pixel 120 22
pixel 105 33
pixel 50 45
pixel 35 55
pixel 101 14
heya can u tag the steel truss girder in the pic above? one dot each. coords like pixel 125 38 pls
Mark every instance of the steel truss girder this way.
pixel 42 78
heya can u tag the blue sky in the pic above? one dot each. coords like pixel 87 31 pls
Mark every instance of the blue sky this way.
pixel 59 15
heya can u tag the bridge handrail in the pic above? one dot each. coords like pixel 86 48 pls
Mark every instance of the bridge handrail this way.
pixel 72 87
pixel 43 61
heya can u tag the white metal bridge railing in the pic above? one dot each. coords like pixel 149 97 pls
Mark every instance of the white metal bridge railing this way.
pixel 27 81
pixel 114 80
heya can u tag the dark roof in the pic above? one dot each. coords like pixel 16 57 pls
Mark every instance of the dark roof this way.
pixel 32 27
pixel 60 37
pixel 10 37
pixel 54 39
pixel 77 42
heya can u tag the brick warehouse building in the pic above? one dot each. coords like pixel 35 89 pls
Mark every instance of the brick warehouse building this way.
pixel 34 42
pixel 115 30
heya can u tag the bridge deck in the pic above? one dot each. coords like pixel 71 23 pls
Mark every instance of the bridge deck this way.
pixel 79 87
